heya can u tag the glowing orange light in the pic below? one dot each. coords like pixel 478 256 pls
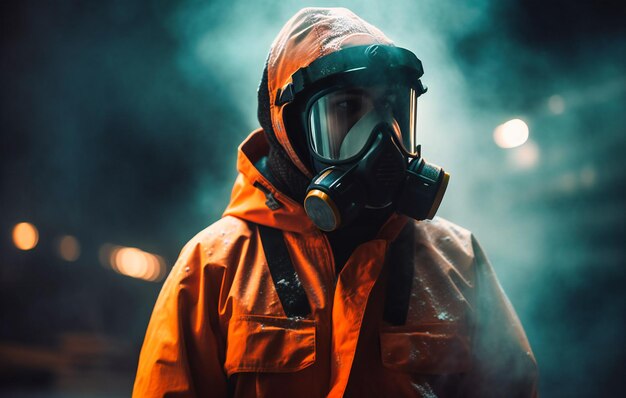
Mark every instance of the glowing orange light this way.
pixel 153 270
pixel 156 269
pixel 25 236
pixel 133 262
pixel 160 269
pixel 69 248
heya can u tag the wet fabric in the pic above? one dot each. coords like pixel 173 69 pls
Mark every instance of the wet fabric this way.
pixel 219 324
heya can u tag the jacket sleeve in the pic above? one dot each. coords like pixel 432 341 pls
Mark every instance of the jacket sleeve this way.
pixel 182 353
pixel 504 365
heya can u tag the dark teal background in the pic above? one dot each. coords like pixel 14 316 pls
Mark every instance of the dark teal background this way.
pixel 120 122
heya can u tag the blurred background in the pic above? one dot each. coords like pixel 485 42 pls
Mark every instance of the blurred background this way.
pixel 120 122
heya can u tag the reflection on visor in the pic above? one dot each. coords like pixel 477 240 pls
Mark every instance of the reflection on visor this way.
pixel 342 121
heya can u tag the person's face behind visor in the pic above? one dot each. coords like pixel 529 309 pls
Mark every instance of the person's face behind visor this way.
pixel 341 121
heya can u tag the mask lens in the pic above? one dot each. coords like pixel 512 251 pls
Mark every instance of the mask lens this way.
pixel 333 118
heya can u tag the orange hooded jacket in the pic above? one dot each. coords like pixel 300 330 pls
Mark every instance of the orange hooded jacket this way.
pixel 218 328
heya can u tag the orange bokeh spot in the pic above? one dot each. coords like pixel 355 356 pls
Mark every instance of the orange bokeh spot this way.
pixel 134 262
pixel 69 248
pixel 25 236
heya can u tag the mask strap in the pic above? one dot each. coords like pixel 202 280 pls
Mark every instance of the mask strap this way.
pixel 290 292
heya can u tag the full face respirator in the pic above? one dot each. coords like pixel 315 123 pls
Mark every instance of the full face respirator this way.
pixel 358 107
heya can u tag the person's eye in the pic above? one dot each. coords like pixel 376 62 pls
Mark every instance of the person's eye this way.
pixel 347 104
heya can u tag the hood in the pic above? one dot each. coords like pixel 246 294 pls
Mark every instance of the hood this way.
pixel 249 198
pixel 310 34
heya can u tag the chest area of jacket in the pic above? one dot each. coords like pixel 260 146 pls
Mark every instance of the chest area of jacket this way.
pixel 404 318
pixel 419 287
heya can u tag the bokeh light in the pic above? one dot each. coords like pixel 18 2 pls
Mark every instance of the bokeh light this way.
pixel 525 156
pixel 69 248
pixel 25 236
pixel 511 134
pixel 556 104
pixel 133 262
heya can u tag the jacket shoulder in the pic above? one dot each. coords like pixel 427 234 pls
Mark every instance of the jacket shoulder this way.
pixel 451 242
pixel 440 227
pixel 223 229
pixel 217 243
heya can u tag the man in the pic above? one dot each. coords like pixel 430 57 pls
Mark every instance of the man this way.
pixel 320 280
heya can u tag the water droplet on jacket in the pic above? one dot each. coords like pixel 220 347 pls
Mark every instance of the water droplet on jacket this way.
pixel 295 274
pixel 425 390
pixel 443 316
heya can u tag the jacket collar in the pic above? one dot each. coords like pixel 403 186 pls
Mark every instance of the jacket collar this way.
pixel 255 199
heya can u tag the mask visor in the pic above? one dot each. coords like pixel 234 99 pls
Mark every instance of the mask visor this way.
pixel 333 115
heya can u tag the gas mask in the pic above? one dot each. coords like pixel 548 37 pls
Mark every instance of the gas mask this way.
pixel 360 118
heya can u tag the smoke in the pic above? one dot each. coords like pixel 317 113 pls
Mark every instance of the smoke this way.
pixel 554 229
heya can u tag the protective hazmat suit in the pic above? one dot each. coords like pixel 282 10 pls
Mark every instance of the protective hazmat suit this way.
pixel 265 304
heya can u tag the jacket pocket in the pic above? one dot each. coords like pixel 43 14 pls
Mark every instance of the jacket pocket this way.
pixel 269 344
pixel 429 349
